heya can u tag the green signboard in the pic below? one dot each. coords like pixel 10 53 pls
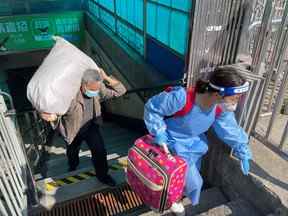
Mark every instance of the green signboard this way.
pixel 18 33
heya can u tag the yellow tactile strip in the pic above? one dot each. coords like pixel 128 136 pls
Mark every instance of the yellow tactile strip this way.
pixel 54 184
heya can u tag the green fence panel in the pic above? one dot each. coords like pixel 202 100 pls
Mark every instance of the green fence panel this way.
pixel 131 11
pixel 108 4
pixel 93 8
pixel 107 19
pixel 163 24
pixel 184 5
pixel 151 19
pixel 179 31
pixel 167 25
pixel 131 37
pixel 167 20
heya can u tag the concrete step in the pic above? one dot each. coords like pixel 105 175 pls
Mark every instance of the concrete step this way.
pixel 67 186
pixel 210 198
pixel 234 208
pixel 117 141
pixel 110 135
pixel 60 166
pixel 116 147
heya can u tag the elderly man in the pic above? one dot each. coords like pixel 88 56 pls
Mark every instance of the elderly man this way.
pixel 82 121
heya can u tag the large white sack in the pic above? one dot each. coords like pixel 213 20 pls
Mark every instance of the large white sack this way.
pixel 58 79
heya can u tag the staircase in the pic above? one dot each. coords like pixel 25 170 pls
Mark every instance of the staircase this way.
pixel 214 203
pixel 79 193
pixel 57 185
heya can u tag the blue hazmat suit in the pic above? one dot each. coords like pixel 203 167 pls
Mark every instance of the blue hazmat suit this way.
pixel 185 136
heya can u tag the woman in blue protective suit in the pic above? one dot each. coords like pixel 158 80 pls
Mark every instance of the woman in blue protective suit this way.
pixel 184 135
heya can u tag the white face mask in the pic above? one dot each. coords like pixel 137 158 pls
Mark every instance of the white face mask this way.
pixel 228 107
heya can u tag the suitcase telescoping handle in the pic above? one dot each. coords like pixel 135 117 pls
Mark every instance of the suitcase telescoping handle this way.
pixel 168 153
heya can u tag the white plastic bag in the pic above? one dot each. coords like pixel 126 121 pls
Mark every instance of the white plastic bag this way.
pixel 58 79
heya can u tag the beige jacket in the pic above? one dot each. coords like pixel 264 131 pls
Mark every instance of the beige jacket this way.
pixel 71 122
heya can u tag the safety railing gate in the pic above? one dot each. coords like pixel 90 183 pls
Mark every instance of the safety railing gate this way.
pixel 17 187
pixel 216 40
pixel 272 122
pixel 255 34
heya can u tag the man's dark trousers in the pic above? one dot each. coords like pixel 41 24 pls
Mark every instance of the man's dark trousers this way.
pixel 91 134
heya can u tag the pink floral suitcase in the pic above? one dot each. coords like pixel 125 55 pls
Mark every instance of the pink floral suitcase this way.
pixel 158 180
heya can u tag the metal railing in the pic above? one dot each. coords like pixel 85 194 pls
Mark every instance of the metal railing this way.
pixel 34 132
pixel 258 30
pixel 215 34
pixel 272 125
pixel 16 178
pixel 148 92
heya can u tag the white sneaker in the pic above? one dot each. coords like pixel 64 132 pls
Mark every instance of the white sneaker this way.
pixel 178 209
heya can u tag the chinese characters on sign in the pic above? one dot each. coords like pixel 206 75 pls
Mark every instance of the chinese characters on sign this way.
pixel 36 31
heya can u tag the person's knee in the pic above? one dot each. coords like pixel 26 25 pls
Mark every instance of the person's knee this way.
pixel 98 150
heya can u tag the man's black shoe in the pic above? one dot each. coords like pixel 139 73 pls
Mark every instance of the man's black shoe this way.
pixel 108 180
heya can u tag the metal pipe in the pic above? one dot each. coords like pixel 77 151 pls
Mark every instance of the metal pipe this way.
pixel 144 28
pixel 212 35
pixel 244 37
pixel 3 211
pixel 10 132
pixel 196 36
pixel 4 110
pixel 284 137
pixel 7 193
pixel 7 161
pixel 188 43
pixel 27 172
pixel 9 98
pixel 255 107
pixel 228 32
pixel 257 60
pixel 39 134
pixel 115 14
pixel 263 36
pixel 256 24
pixel 279 51
pixel 279 101
pixel 241 20
pixel 223 40
pixel 221 34
pixel 15 154
pixel 8 150
pixel 203 40
pixel 191 54
pixel 232 35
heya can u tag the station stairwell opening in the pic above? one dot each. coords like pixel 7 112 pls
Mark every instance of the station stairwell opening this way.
pixel 148 45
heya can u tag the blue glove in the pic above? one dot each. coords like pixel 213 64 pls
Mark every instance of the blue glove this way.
pixel 245 166
pixel 160 139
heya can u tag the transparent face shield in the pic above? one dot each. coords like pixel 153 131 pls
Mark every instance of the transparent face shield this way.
pixel 231 95
pixel 230 91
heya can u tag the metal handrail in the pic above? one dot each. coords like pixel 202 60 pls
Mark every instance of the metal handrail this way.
pixel 157 87
pixel 15 172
